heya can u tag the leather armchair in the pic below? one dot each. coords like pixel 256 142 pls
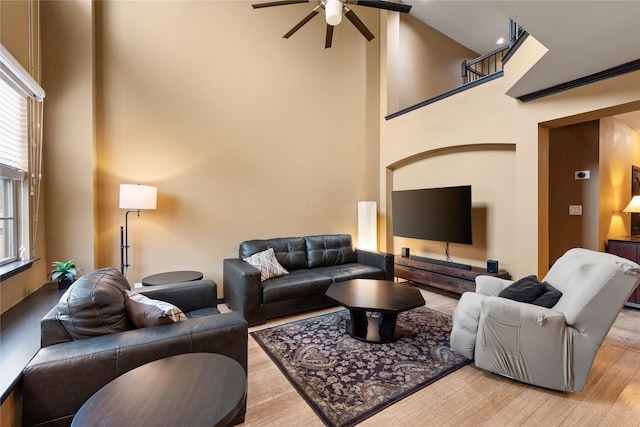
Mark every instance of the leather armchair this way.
pixel 549 347
pixel 66 372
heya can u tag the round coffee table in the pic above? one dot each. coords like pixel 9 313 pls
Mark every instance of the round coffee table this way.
pixel 381 296
pixel 194 389
pixel 171 277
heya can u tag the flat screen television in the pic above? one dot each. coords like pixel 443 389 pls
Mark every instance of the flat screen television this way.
pixel 440 214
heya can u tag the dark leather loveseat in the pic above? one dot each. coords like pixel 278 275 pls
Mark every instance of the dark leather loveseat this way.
pixel 89 339
pixel 312 263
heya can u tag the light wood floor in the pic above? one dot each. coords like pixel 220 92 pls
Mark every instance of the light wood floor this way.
pixel 471 396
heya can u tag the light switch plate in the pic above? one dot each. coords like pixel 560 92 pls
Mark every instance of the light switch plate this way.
pixel 575 209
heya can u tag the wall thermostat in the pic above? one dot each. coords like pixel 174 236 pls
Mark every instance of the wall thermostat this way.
pixel 583 174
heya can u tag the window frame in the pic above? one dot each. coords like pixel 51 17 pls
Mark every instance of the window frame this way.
pixel 20 164
pixel 9 215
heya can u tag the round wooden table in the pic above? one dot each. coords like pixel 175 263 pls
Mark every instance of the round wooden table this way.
pixel 194 389
pixel 171 277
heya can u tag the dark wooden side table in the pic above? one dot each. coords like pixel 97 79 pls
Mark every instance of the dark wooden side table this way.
pixel 171 277
pixel 629 248
pixel 194 389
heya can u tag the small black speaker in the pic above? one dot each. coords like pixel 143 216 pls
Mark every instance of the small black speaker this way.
pixel 492 266
pixel 405 252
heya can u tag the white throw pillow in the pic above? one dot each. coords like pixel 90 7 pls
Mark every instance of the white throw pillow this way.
pixel 267 263
pixel 144 311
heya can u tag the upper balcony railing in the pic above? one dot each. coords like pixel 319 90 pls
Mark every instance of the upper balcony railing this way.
pixel 491 62
pixel 478 71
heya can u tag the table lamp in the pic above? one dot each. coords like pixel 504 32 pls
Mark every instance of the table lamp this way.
pixel 633 207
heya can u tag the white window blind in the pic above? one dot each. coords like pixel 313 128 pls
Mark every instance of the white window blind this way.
pixel 21 112
pixel 13 132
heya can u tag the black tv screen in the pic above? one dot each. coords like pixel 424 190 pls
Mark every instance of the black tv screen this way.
pixel 440 214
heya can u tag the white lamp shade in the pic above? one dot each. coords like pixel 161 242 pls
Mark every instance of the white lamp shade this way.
pixel 136 196
pixel 633 206
pixel 367 226
pixel 333 11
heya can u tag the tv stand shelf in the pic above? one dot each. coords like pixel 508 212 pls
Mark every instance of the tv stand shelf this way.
pixel 441 276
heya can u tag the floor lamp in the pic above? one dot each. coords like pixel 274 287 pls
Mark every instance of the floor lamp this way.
pixel 134 198
pixel 367 226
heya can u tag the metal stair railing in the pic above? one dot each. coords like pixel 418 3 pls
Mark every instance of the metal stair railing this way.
pixel 491 62
pixel 483 66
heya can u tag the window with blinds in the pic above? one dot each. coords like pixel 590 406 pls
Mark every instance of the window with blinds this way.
pixel 13 164
pixel 13 129
pixel 20 114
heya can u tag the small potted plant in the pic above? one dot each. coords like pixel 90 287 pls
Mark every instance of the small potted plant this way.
pixel 64 272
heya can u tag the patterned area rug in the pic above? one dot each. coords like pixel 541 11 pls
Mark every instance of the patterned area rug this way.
pixel 345 380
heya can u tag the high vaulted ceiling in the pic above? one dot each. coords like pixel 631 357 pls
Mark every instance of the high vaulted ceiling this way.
pixel 583 37
pixel 476 25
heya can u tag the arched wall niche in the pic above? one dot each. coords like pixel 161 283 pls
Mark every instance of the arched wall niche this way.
pixel 490 170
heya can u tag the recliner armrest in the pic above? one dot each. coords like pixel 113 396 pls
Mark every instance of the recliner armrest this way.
pixel 526 342
pixel 188 296
pixel 381 260
pixel 492 286
pixel 243 289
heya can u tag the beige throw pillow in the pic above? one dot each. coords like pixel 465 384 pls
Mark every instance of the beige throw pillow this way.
pixel 145 312
pixel 267 263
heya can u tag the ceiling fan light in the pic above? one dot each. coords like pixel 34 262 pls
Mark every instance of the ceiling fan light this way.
pixel 333 10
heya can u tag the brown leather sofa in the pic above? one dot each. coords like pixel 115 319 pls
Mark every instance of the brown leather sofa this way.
pixel 88 340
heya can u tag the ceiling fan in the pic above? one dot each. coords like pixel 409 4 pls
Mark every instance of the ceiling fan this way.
pixel 333 12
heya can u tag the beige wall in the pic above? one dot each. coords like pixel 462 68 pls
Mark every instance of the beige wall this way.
pixel 428 62
pixel 245 134
pixel 493 217
pixel 458 122
pixel 68 77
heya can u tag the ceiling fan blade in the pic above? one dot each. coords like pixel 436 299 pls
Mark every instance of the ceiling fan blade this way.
pixel 278 3
pixel 379 4
pixel 329 38
pixel 299 25
pixel 351 16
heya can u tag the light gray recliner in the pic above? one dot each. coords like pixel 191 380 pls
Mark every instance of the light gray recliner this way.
pixel 549 347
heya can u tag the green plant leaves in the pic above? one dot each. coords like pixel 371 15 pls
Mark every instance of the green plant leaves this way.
pixel 63 269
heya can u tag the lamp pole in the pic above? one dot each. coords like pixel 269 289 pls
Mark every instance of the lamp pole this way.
pixel 124 242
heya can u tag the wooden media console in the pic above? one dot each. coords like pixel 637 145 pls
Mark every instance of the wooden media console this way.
pixel 452 279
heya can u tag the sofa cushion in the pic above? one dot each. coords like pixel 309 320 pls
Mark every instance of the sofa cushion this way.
pixel 291 252
pixel 329 249
pixel 94 305
pixel 298 283
pixel 267 263
pixel 350 271
pixel 144 311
